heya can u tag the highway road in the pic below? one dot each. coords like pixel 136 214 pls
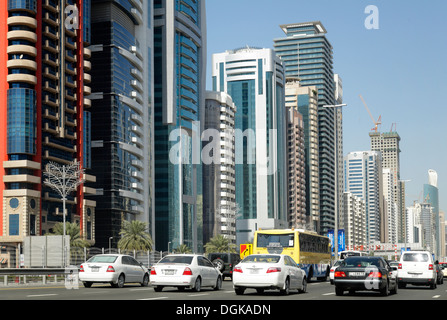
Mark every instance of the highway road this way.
pixel 315 291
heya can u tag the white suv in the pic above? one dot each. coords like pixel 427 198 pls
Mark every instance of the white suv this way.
pixel 417 268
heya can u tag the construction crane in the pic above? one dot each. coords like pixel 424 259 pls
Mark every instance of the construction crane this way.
pixel 376 123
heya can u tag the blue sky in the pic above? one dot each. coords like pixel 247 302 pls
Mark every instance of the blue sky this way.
pixel 400 69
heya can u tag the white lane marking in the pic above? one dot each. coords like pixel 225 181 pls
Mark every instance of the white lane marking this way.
pixel 158 298
pixel 198 295
pixel 42 295
pixel 436 297
pixel 328 294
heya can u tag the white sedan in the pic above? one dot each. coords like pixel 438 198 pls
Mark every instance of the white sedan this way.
pixel 332 272
pixel 268 271
pixel 115 269
pixel 182 271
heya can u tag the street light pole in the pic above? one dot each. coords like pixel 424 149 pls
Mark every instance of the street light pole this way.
pixel 336 106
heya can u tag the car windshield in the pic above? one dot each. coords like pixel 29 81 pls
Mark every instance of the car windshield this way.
pixel 103 259
pixel 261 259
pixel 415 257
pixel 177 259
pixel 360 262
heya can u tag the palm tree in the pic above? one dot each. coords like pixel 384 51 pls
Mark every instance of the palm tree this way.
pixel 219 244
pixel 183 248
pixel 72 230
pixel 134 236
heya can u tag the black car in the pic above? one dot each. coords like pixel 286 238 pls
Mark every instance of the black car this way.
pixel 439 273
pixel 224 262
pixel 365 273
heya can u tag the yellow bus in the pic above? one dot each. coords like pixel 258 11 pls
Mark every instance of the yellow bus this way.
pixel 310 251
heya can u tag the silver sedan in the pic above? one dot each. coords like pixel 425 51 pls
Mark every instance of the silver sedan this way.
pixel 116 269
pixel 268 271
pixel 185 271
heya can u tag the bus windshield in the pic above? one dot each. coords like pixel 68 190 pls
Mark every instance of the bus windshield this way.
pixel 275 240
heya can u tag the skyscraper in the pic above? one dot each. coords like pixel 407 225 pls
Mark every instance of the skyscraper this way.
pixel 388 144
pixel 179 86
pixel 305 101
pixel 43 87
pixel 363 178
pixel 431 196
pixel 219 189
pixel 254 78
pixel 307 55
pixel 122 112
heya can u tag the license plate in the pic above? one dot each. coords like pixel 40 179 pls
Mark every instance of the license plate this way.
pixel 356 274
pixel 95 269
pixel 169 272
pixel 254 271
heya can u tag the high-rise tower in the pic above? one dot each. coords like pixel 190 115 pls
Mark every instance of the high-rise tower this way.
pixel 122 101
pixel 44 88
pixel 179 86
pixel 307 55
pixel 254 78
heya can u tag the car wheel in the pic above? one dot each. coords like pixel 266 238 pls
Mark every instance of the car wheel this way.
pixel 218 283
pixel 260 290
pixel 304 286
pixel 145 282
pixel 285 290
pixel 121 280
pixel 87 284
pixel 433 285
pixel 197 285
pixel 394 291
pixel 385 290
pixel 339 291
pixel 158 288
pixel 239 291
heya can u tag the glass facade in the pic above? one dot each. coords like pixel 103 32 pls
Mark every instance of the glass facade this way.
pixel 178 209
pixel 21 121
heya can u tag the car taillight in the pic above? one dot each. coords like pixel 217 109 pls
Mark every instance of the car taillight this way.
pixel 430 267
pixel 110 269
pixel 153 271
pixel 339 274
pixel 273 269
pixel 238 269
pixel 187 272
pixel 333 269
pixel 400 266
pixel 81 268
pixel 375 274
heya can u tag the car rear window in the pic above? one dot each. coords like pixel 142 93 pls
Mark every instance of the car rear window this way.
pixel 415 257
pixel 261 259
pixel 104 259
pixel 177 259
pixel 360 262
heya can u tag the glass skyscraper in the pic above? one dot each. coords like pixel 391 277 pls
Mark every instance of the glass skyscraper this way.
pixel 122 103
pixel 307 56
pixel 254 78
pixel 179 84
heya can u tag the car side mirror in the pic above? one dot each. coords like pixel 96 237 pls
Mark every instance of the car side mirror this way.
pixel 394 268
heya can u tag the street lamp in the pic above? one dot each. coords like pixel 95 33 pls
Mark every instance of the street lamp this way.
pixel 336 106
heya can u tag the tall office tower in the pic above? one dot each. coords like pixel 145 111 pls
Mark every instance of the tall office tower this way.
pixel 296 177
pixel 179 84
pixel 353 221
pixel 305 100
pixel 219 196
pixel 307 55
pixel 390 207
pixel 388 144
pixel 122 113
pixel 428 239
pixel 254 78
pixel 363 178
pixel 431 196
pixel 43 85
pixel 413 226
